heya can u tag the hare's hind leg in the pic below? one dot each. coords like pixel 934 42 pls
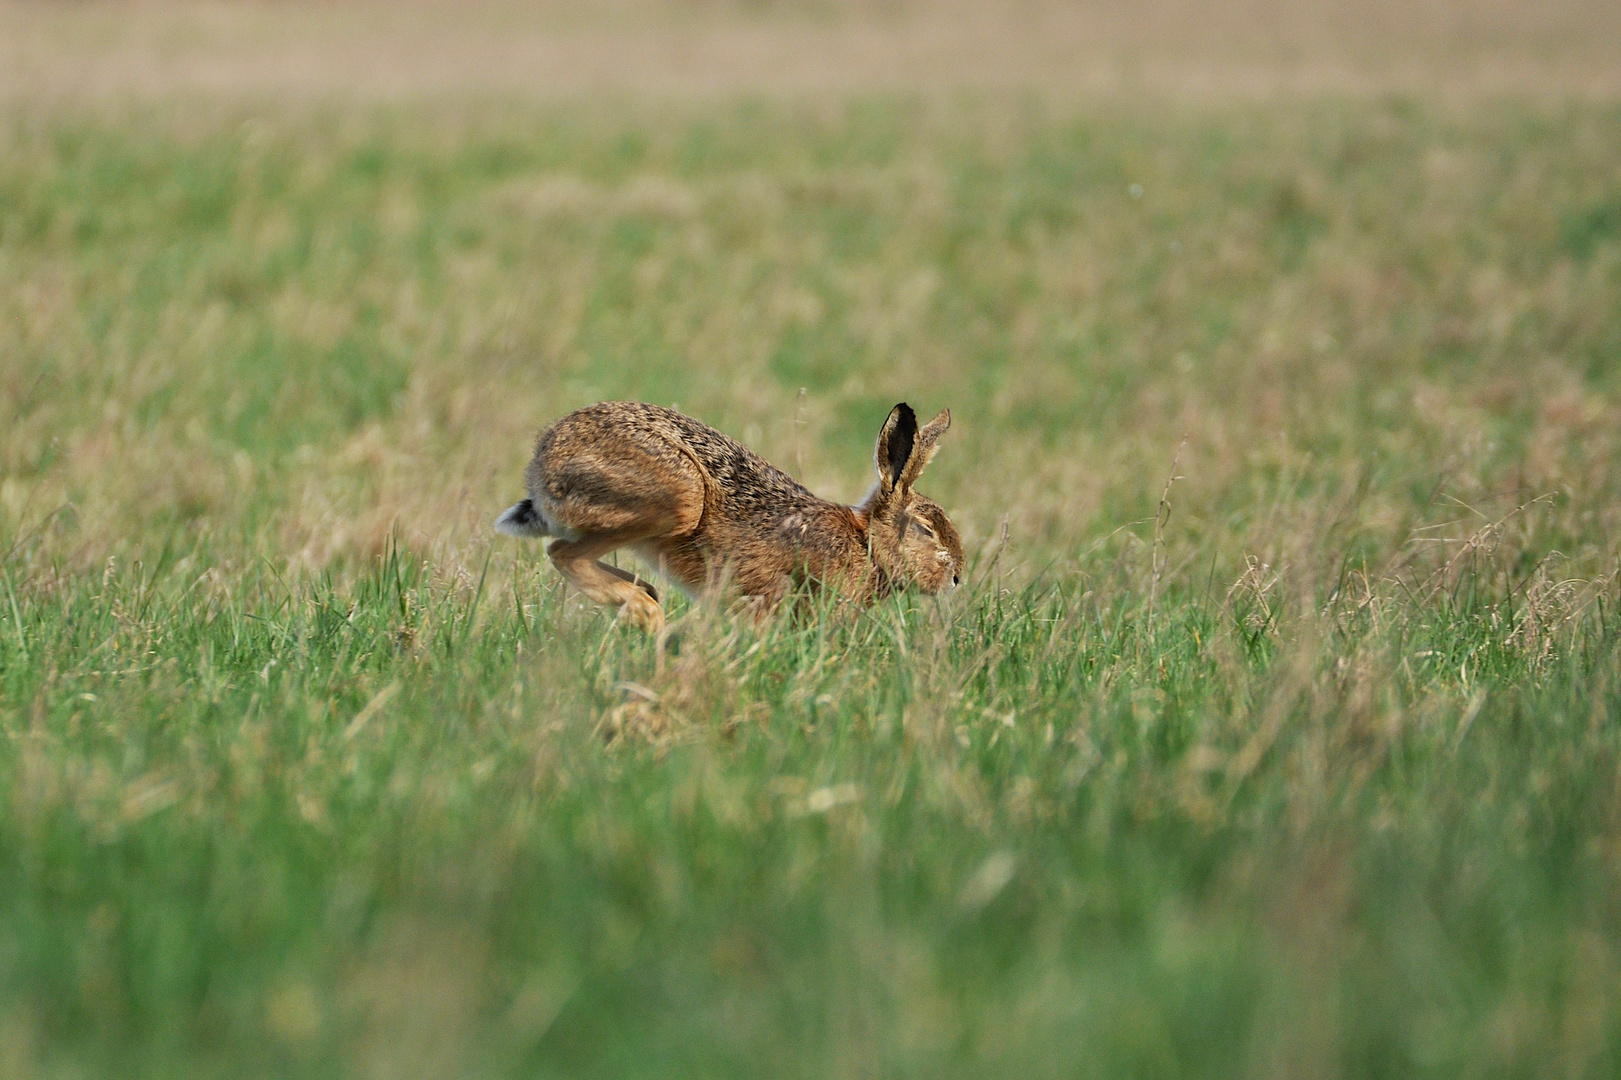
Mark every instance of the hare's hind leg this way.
pixel 578 561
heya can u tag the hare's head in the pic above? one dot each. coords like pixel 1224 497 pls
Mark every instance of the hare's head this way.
pixel 911 539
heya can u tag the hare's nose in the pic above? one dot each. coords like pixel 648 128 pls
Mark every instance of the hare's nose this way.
pixel 956 579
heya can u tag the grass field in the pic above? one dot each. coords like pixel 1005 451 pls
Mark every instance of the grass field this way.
pixel 1273 733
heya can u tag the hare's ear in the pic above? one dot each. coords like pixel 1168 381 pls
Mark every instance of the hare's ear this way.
pixel 923 453
pixel 897 440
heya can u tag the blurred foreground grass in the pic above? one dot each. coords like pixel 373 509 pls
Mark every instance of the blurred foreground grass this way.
pixel 1274 732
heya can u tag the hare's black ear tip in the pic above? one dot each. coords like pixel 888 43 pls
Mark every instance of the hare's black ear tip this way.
pixel 896 441
pixel 902 420
pixel 522 520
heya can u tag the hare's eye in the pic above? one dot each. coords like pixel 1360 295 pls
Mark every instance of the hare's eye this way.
pixel 924 529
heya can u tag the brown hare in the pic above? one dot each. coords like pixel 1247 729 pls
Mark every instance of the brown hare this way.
pixel 704 509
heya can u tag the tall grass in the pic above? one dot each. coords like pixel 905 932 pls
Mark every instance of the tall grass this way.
pixel 1289 752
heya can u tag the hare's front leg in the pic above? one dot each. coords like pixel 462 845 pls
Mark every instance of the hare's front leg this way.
pixel 577 560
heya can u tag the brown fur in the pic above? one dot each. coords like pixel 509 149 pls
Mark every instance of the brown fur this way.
pixel 704 509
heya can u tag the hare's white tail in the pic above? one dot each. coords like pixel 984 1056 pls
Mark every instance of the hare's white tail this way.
pixel 522 519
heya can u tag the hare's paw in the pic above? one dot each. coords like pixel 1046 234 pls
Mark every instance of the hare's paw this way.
pixel 642 610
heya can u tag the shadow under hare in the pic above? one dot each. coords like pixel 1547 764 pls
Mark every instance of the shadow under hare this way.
pixel 705 511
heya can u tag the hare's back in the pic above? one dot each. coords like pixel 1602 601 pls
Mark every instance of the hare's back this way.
pixel 616 467
pixel 746 483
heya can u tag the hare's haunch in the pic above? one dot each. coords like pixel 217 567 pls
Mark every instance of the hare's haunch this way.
pixel 704 509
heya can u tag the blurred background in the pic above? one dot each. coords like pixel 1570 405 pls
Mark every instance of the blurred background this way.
pixel 688 47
